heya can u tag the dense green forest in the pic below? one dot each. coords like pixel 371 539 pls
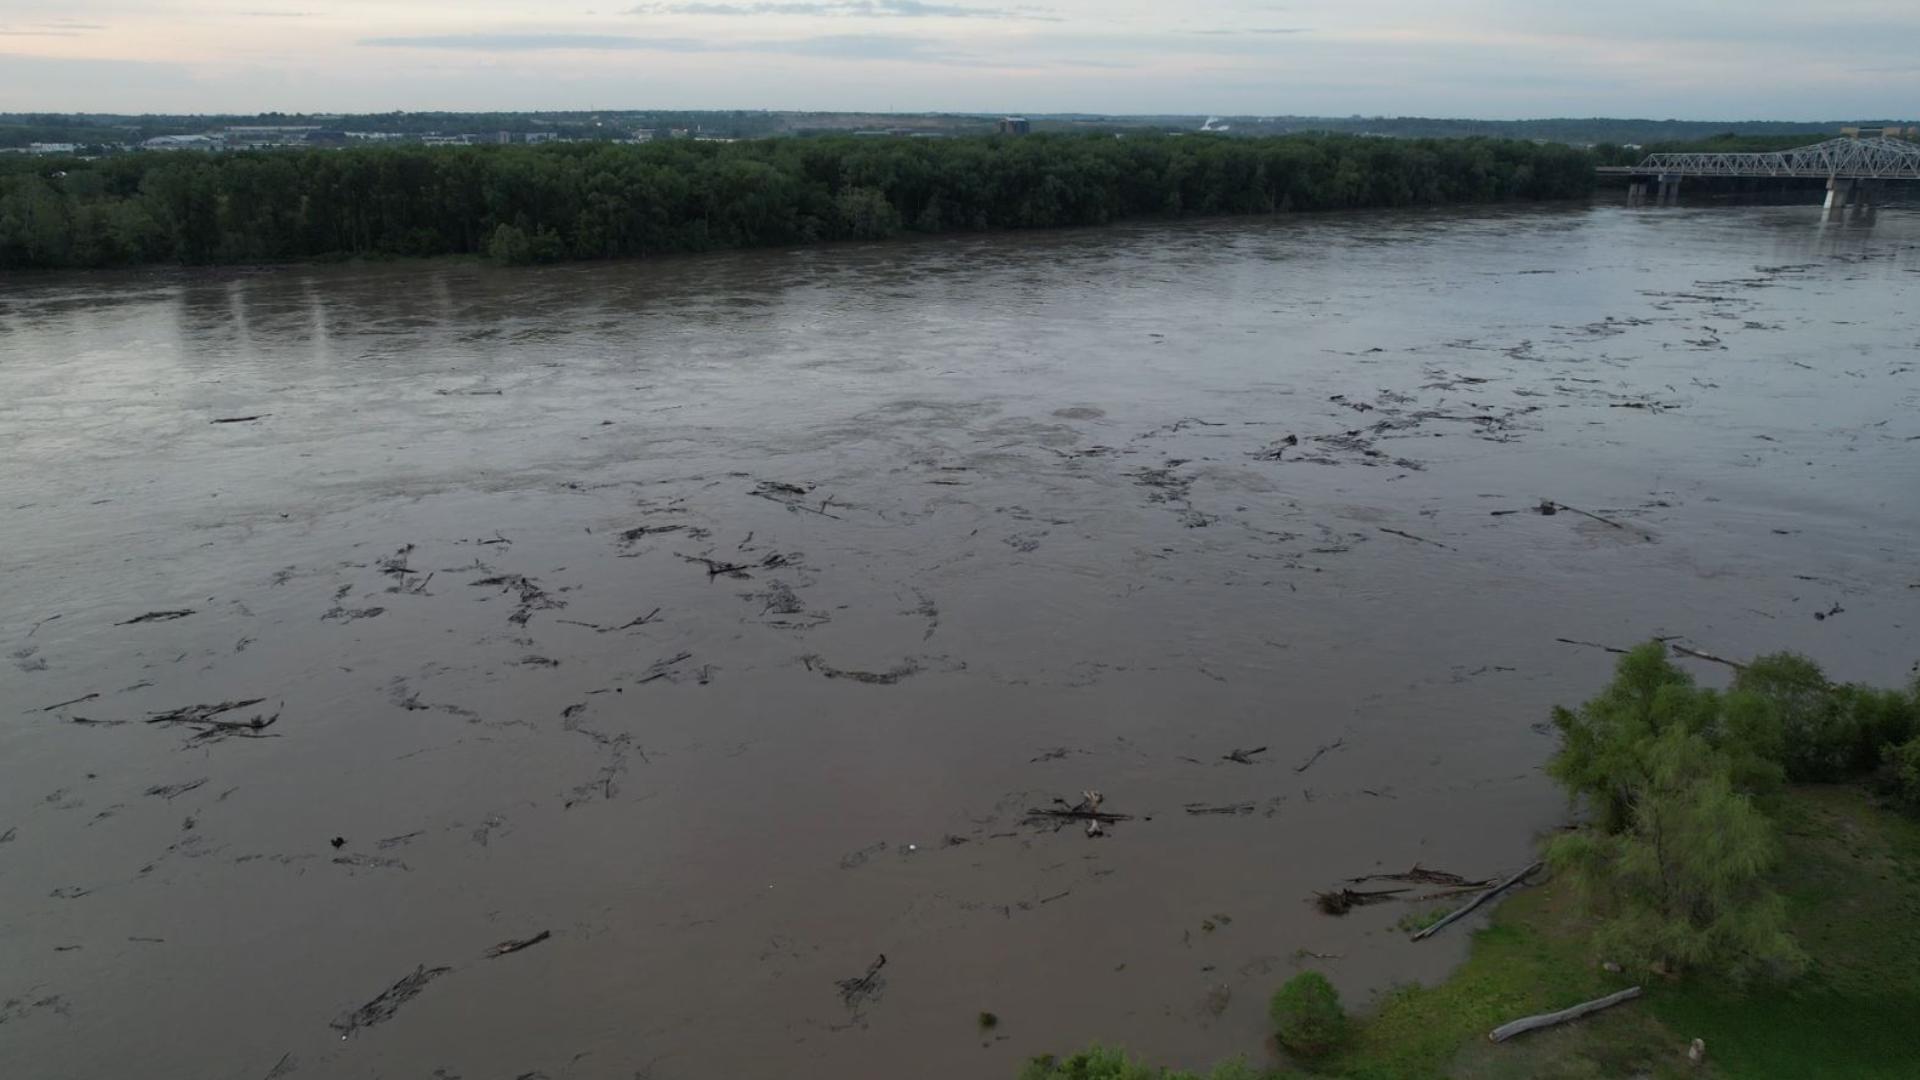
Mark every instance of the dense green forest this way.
pixel 582 201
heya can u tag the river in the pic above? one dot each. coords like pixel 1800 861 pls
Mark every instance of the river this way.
pixel 723 618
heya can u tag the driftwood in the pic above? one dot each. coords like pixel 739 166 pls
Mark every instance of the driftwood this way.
pixel 73 701
pixel 202 717
pixel 855 990
pixel 1308 764
pixel 1699 655
pixel 1544 1020
pixel 1549 507
pixel 157 616
pixel 1418 539
pixel 1476 902
pixel 1426 877
pixel 508 947
pixel 382 1008
pixel 1590 645
pixel 1087 809
pixel 1225 808
pixel 1342 901
pixel 1244 757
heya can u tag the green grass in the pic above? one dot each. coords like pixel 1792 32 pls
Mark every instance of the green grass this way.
pixel 1851 877
pixel 1852 881
pixel 1531 959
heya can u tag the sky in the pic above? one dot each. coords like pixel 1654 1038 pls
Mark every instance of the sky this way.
pixel 1494 59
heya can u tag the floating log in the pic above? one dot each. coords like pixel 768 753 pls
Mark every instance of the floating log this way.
pixel 1476 902
pixel 1545 1020
pixel 1698 654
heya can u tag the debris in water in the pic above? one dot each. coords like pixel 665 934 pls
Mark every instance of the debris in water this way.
pixel 1317 754
pixel 157 616
pixel 506 947
pixel 1087 809
pixel 856 991
pixel 1224 808
pixel 876 678
pixel 382 1008
pixel 202 716
pixel 1416 539
pixel 1341 901
pixel 1425 876
pixel 1244 757
pixel 76 701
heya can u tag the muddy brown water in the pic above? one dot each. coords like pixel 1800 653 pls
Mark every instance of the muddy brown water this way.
pixel 1017 517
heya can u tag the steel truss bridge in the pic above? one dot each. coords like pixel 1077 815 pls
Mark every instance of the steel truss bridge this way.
pixel 1846 159
pixel 1852 167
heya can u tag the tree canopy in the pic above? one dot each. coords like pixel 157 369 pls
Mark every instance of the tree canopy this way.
pixel 600 200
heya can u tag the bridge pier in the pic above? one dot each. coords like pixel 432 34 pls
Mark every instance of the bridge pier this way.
pixel 1669 190
pixel 1840 191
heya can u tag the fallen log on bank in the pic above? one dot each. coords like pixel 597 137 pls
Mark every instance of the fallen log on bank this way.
pixel 1545 1020
pixel 1476 902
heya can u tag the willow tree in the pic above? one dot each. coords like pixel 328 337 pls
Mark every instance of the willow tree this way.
pixel 1683 885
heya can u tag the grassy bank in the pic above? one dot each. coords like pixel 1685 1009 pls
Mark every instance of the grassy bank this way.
pixel 1851 876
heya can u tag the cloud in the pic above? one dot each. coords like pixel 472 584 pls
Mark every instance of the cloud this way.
pixel 864 9
pixel 1254 30
pixel 537 42
pixel 833 46
pixel 57 28
pixel 856 47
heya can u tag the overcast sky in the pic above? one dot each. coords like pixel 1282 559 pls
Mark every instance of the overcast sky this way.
pixel 1724 59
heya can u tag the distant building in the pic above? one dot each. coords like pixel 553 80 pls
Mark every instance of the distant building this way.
pixel 182 142
pixel 53 148
pixel 534 137
pixel 1014 125
pixel 1881 132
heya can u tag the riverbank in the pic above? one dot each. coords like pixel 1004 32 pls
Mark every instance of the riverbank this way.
pixel 1851 877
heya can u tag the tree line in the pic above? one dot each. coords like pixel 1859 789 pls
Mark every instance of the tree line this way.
pixel 588 201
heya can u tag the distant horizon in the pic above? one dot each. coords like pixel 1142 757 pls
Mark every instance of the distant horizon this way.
pixel 1491 59
pixel 1347 117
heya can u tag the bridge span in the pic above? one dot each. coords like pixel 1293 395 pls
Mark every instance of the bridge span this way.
pixel 1852 168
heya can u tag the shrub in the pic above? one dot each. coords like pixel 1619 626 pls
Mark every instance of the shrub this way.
pixel 1903 774
pixel 1826 733
pixel 1307 1015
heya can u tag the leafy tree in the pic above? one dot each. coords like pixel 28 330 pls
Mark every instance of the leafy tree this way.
pixel 1683 885
pixel 1307 1016
pixel 510 246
